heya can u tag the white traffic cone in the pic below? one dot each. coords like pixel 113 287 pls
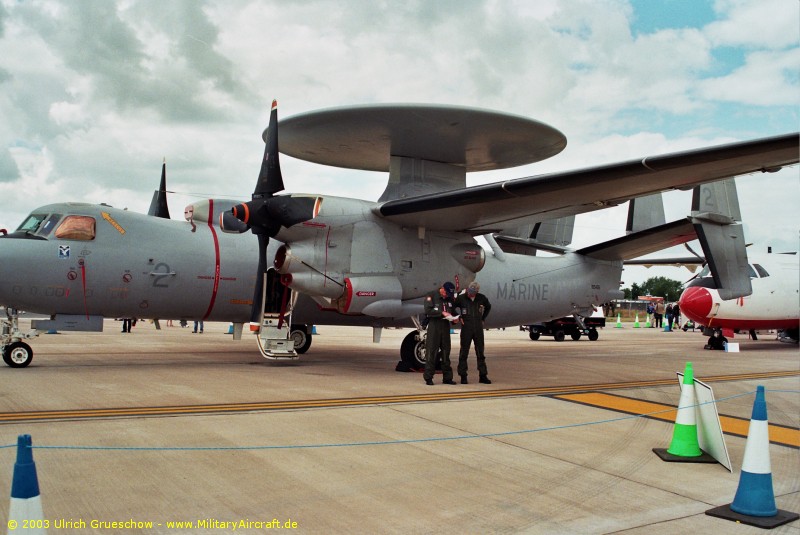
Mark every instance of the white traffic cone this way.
pixel 25 512
pixel 754 503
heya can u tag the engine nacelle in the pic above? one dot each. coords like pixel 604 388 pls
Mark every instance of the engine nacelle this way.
pixel 470 255
pixel 378 296
pixel 300 276
pixel 207 210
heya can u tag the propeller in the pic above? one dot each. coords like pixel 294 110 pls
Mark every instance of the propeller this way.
pixel 702 265
pixel 265 213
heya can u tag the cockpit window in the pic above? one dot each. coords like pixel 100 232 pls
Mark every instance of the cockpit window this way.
pixel 48 225
pixel 32 223
pixel 705 272
pixel 761 271
pixel 76 227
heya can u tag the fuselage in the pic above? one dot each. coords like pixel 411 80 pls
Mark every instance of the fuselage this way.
pixel 95 260
pixel 774 303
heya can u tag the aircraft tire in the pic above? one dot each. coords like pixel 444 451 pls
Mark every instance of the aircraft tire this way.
pixel 559 336
pixel 301 339
pixel 575 336
pixel 18 354
pixel 412 350
pixel 593 334
pixel 534 334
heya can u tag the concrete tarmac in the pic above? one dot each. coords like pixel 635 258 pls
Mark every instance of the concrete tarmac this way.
pixel 199 429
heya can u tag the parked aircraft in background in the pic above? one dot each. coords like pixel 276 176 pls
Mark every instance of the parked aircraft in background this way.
pixel 774 303
pixel 348 261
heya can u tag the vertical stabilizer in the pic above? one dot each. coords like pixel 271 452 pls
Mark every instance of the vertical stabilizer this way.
pixel 645 213
pixel 715 216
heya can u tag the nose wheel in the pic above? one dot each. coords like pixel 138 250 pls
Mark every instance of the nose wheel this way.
pixel 17 354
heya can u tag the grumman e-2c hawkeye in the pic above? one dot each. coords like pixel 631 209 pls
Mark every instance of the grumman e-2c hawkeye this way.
pixel 348 261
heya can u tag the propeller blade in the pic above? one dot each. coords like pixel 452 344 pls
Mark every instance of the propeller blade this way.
pixel 270 180
pixel 257 310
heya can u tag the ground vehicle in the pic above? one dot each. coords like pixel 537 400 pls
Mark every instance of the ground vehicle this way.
pixel 568 325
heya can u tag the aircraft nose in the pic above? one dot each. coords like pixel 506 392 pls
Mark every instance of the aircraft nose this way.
pixel 696 303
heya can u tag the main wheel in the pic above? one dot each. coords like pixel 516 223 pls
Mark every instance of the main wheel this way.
pixel 534 334
pixel 18 354
pixel 412 350
pixel 593 334
pixel 576 335
pixel 301 339
pixel 559 336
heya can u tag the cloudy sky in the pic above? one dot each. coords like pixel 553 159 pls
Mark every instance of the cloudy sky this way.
pixel 94 93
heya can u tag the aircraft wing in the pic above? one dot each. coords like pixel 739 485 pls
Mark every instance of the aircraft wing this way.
pixel 494 207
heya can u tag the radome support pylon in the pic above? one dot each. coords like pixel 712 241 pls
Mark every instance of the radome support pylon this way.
pixel 26 505
pixel 754 503
pixel 685 446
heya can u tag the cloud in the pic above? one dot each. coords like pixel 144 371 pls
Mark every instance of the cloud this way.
pixel 95 93
pixel 8 167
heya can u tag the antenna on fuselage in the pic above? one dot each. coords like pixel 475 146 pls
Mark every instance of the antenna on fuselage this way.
pixel 158 206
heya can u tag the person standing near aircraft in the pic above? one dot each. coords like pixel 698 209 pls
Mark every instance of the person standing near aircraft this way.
pixel 439 310
pixel 659 314
pixel 668 315
pixel 473 307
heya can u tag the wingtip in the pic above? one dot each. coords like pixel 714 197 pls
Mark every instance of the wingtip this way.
pixel 274 104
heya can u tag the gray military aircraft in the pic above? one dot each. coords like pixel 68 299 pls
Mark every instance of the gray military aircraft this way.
pixel 355 262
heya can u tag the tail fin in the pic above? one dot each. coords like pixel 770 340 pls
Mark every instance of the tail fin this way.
pixel 715 212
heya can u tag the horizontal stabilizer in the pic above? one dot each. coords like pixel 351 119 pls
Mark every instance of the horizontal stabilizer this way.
pixel 643 242
pixel 689 262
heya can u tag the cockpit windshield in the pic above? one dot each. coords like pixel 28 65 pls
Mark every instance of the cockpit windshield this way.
pixel 40 225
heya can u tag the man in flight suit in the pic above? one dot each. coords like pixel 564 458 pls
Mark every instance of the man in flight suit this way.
pixel 473 308
pixel 439 307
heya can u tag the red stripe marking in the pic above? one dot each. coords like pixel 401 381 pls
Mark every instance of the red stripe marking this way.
pixel 215 287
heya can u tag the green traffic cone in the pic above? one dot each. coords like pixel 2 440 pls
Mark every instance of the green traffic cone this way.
pixel 684 435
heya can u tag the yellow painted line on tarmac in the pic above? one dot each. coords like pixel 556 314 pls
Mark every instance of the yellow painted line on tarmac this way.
pixel 778 434
pixel 453 393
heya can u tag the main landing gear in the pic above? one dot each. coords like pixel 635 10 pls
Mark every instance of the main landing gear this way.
pixel 16 353
pixel 412 350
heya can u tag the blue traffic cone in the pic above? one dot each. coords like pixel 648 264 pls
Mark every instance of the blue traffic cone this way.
pixel 26 505
pixel 755 496
pixel 754 502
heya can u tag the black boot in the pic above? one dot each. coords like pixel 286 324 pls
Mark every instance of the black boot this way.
pixel 464 380
pixel 485 380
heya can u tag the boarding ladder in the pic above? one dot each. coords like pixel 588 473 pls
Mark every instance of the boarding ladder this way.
pixel 277 303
